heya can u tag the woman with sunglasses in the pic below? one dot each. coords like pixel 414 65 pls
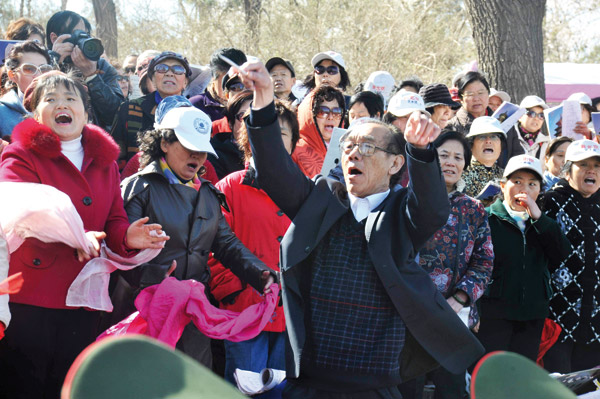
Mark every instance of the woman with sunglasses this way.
pixel 322 111
pixel 169 73
pixel 25 61
pixel 329 70
pixel 529 127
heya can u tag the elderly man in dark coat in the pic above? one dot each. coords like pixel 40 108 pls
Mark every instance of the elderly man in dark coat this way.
pixel 361 315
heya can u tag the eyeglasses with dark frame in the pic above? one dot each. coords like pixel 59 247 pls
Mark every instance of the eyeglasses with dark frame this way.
pixel 164 68
pixel 324 112
pixel 331 70
pixel 364 149
pixel 122 78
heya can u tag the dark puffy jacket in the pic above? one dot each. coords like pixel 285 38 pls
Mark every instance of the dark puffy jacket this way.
pixel 520 286
pixel 194 221
pixel 575 305
pixel 105 93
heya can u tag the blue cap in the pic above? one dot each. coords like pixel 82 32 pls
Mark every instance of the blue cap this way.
pixel 168 104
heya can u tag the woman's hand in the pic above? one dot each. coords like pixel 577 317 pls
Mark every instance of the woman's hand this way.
pixel 139 237
pixel 420 130
pixel 94 238
pixel 268 277
pixel 3 145
pixel 582 128
pixel 529 204
pixel 255 77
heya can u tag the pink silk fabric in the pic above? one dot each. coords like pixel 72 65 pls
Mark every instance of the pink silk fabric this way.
pixel 166 308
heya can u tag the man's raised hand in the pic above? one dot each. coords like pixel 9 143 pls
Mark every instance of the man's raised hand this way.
pixel 420 130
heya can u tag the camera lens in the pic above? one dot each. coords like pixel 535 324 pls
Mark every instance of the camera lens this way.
pixel 91 48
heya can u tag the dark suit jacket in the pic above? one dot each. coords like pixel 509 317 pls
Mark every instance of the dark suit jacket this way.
pixel 395 231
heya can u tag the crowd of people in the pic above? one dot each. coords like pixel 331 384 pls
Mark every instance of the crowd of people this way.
pixel 435 236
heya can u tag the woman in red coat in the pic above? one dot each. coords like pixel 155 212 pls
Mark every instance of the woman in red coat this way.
pixel 56 147
pixel 260 225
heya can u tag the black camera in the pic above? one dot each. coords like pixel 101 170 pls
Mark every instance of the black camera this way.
pixel 91 47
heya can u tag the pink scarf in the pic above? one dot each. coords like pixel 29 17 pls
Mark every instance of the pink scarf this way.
pixel 166 308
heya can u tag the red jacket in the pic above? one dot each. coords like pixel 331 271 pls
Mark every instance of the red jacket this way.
pixel 260 225
pixel 35 156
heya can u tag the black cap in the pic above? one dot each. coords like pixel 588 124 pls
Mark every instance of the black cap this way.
pixel 165 55
pixel 437 94
pixel 228 81
pixel 280 61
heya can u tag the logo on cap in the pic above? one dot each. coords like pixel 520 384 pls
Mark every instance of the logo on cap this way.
pixel 201 126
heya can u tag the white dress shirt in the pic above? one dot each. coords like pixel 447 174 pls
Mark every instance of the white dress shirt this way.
pixel 361 207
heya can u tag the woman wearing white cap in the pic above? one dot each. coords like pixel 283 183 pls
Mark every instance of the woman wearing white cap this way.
pixel 529 127
pixel 575 304
pixel 486 138
pixel 515 304
pixel 329 69
pixel 169 190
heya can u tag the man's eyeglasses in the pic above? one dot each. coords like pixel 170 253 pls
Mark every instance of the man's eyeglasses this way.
pixel 331 70
pixel 164 68
pixel 130 69
pixel 533 114
pixel 121 78
pixel 324 112
pixel 480 93
pixel 364 149
pixel 30 69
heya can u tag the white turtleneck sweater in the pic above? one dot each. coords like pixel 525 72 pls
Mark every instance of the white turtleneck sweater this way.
pixel 73 150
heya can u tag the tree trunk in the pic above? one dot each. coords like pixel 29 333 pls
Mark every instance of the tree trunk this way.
pixel 106 25
pixel 63 4
pixel 252 9
pixel 21 8
pixel 509 40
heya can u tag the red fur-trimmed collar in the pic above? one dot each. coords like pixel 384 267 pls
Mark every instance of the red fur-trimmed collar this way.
pixel 97 144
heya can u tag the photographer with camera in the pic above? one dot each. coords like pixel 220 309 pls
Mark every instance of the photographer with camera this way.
pixel 68 37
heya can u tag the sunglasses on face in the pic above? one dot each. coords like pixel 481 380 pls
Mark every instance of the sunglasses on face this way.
pixel 492 137
pixel 324 112
pixel 331 70
pixel 164 68
pixel 121 78
pixel 30 69
pixel 533 114
pixel 364 149
pixel 129 69
pixel 236 87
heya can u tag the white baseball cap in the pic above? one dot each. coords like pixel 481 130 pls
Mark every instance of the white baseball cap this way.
pixel 380 82
pixel 328 55
pixel 524 161
pixel 581 98
pixel 533 101
pixel 405 103
pixel 582 149
pixel 191 126
pixel 485 125
pixel 501 94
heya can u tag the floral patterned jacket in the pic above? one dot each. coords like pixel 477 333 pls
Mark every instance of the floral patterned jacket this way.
pixel 460 255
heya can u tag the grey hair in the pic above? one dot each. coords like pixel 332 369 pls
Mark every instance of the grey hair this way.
pixel 391 146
